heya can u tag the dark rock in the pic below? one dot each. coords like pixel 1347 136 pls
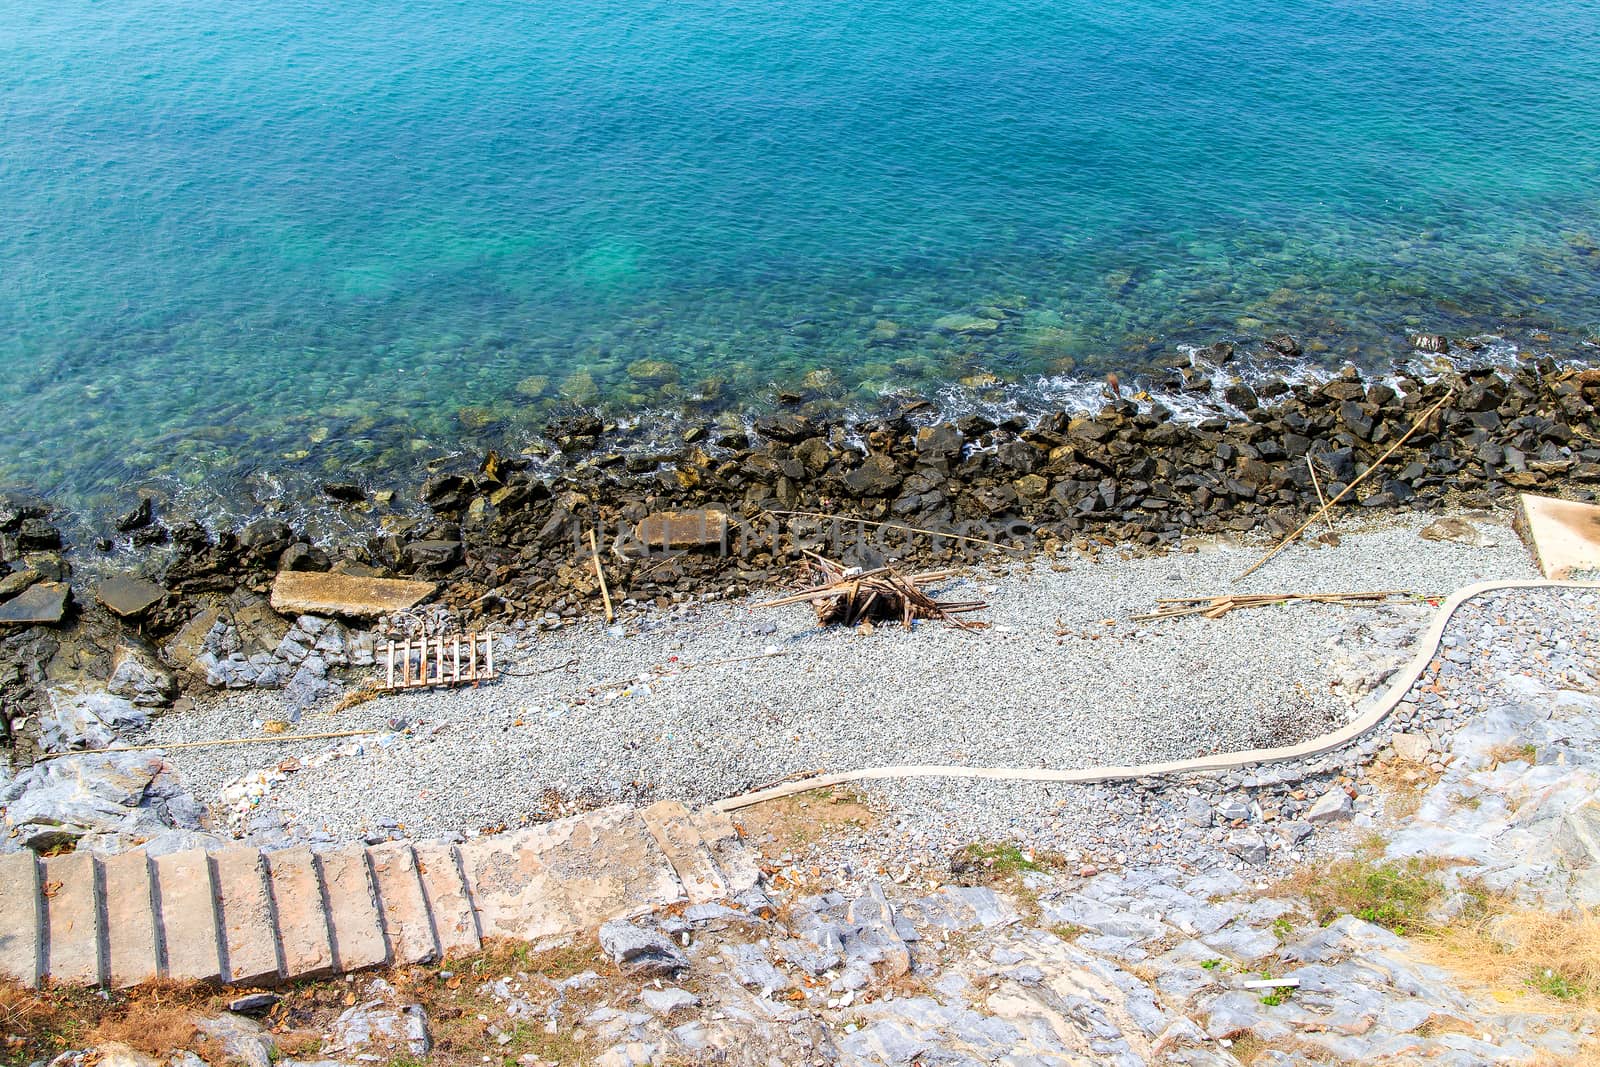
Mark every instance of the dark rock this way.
pixel 1342 389
pixel 445 492
pixel 436 554
pixel 573 428
pixel 304 557
pixel 253 1003
pixel 266 537
pixel 37 534
pixel 1284 344
pixel 877 476
pixel 141 515
pixel 349 492
pixel 1240 396
pixel 785 427
pixel 154 534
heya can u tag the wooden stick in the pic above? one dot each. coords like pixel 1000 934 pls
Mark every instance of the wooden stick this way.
pixel 391 664
pixel 472 655
pixel 1311 468
pixel 1357 480
pixel 405 663
pixel 901 526
pixel 279 738
pixel 488 656
pixel 600 573
pixel 438 658
pixel 457 676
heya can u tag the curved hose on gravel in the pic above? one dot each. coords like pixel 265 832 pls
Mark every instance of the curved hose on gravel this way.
pixel 1377 711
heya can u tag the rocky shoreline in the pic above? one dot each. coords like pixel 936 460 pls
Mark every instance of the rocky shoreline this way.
pixel 729 510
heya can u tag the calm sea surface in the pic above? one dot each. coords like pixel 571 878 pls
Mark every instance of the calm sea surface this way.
pixel 245 242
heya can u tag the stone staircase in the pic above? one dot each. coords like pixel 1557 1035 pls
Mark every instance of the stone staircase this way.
pixel 250 917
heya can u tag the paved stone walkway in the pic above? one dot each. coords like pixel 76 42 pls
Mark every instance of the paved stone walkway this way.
pixel 248 916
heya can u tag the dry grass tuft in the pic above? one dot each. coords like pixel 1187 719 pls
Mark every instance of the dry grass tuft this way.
pixel 1402 786
pixel 1542 961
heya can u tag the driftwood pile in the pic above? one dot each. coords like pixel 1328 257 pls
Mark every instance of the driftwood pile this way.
pixel 1215 607
pixel 852 596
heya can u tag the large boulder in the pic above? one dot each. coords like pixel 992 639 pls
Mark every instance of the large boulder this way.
pixel 86 720
pixel 132 795
pixel 140 678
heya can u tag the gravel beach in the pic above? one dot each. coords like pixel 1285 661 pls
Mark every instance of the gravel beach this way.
pixel 1061 678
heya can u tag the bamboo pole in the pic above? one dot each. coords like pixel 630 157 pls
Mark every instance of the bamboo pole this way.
pixel 1291 538
pixel 278 738
pixel 599 572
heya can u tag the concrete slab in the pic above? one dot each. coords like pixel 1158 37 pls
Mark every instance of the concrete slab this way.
pixel 21 918
pixel 314 593
pixel 454 922
pixel 406 922
pixel 674 830
pixel 721 838
pixel 670 531
pixel 128 597
pixel 567 875
pixel 352 909
pixel 249 941
pixel 302 922
pixel 131 953
pixel 1564 535
pixel 43 604
pixel 188 919
pixel 72 919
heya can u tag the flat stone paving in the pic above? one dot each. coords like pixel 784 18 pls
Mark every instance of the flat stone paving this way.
pixel 248 917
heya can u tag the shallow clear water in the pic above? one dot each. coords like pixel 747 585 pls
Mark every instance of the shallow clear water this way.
pixel 299 238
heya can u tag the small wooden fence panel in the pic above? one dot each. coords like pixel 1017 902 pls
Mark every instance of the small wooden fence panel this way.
pixel 419 662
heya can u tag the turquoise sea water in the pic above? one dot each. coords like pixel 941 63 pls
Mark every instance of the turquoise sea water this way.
pixel 266 239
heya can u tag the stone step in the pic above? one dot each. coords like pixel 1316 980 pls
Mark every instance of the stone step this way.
pixel 21 919
pixel 303 938
pixel 244 916
pixel 249 936
pixel 353 916
pixel 72 919
pixel 132 944
pixel 406 922
pixel 454 920
pixel 187 917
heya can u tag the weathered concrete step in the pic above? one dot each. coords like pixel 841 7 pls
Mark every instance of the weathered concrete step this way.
pixel 454 920
pixel 353 917
pixel 21 919
pixel 407 926
pixel 186 916
pixel 133 951
pixel 304 942
pixel 244 916
pixel 249 937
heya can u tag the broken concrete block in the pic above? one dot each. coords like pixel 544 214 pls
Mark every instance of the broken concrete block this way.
pixel 313 593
